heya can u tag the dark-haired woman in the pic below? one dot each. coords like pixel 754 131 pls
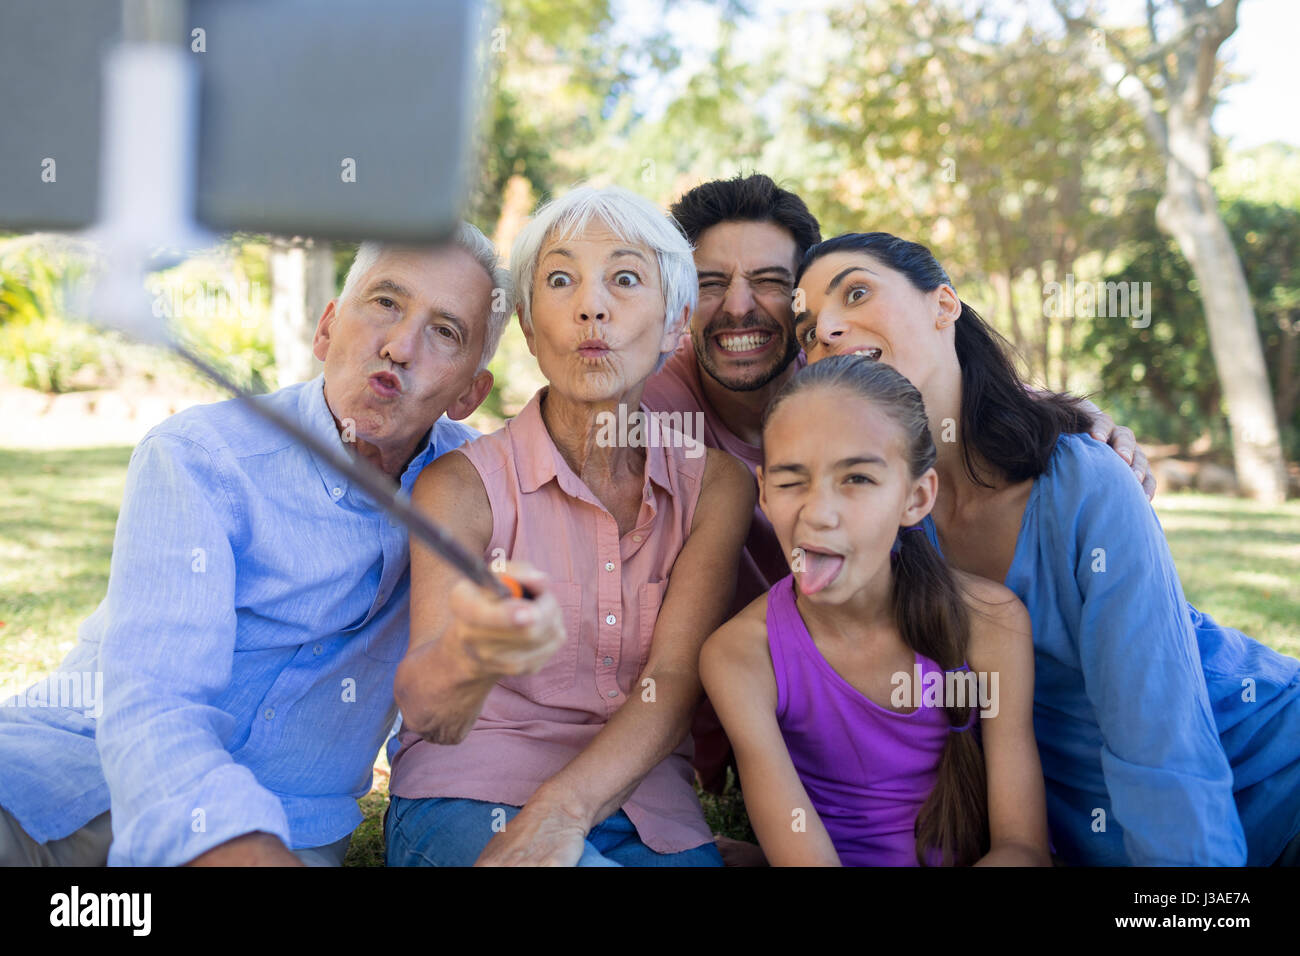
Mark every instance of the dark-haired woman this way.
pixel 1165 738
pixel 853 691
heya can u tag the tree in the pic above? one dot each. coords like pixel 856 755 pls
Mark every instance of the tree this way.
pixel 1172 77
pixel 302 283
pixel 986 139
pixel 1162 378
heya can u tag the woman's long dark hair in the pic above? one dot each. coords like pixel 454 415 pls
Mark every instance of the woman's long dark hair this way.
pixel 1011 431
pixel 929 610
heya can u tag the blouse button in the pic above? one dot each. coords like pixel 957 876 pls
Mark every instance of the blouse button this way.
pixel 608 662
pixel 609 565
pixel 610 619
pixel 613 693
pixel 637 537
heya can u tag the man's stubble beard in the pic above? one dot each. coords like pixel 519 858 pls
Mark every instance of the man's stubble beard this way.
pixel 765 378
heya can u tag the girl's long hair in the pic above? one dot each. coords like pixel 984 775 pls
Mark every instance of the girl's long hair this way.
pixel 1013 432
pixel 929 610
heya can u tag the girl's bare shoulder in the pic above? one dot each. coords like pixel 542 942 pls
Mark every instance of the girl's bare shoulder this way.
pixel 996 614
pixel 743 639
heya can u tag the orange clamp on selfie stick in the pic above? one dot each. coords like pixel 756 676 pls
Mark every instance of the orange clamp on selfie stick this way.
pixel 515 588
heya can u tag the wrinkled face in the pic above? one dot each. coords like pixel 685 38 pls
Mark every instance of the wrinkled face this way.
pixel 743 329
pixel 405 345
pixel 598 315
pixel 854 303
pixel 835 486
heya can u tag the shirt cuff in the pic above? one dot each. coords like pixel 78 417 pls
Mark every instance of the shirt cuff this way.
pixel 229 803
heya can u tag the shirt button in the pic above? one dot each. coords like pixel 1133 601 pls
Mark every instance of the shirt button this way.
pixel 637 537
pixel 613 693
pixel 609 565
pixel 336 492
pixel 270 712
pixel 610 619
pixel 317 649
pixel 608 662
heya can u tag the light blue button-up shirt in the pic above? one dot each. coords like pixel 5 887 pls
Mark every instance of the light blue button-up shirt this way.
pixel 257 608
pixel 1165 738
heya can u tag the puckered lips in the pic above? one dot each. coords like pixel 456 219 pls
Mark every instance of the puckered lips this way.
pixel 744 343
pixel 385 384
pixel 821 566
pixel 593 349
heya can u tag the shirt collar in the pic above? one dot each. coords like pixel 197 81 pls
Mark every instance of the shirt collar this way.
pixel 537 460
pixel 317 419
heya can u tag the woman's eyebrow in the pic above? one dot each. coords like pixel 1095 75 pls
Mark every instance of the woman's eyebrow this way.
pixel 628 252
pixel 839 278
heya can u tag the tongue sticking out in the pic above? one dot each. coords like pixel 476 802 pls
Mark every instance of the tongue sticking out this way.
pixel 819 571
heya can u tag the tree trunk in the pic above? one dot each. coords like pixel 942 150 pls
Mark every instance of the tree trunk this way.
pixel 1176 106
pixel 1288 386
pixel 1006 300
pixel 302 284
pixel 1189 212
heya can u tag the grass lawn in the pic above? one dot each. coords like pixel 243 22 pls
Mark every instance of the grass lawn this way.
pixel 1238 561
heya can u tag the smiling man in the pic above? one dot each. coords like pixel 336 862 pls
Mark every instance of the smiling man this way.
pixel 257 603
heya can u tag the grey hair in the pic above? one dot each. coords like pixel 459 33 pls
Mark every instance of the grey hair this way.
pixel 469 238
pixel 632 219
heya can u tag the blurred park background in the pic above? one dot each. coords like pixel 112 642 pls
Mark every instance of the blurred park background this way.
pixel 1006 136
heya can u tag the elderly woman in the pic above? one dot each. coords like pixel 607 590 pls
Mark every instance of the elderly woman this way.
pixel 554 731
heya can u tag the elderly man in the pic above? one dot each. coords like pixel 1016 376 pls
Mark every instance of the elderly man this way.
pixel 257 604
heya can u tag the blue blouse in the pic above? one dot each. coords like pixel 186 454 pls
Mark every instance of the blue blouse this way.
pixel 1165 738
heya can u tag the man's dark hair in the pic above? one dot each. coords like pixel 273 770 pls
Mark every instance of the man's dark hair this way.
pixel 753 198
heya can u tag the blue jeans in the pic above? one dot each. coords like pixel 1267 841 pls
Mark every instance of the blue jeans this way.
pixel 452 831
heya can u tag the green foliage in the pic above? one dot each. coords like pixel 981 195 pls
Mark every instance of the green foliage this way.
pixel 40 346
pixel 219 306
pixel 46 353
pixel 559 80
pixel 1162 379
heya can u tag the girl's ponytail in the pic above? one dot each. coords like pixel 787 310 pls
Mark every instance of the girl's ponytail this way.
pixel 933 620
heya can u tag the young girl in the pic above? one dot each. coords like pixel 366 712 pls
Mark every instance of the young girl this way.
pixel 844 758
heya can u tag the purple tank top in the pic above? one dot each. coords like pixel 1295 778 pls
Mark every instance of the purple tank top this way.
pixel 867 769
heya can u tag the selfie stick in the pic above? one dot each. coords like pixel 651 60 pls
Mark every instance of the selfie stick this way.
pixel 147 188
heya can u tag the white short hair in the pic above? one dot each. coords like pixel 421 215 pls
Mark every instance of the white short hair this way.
pixel 480 247
pixel 632 219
